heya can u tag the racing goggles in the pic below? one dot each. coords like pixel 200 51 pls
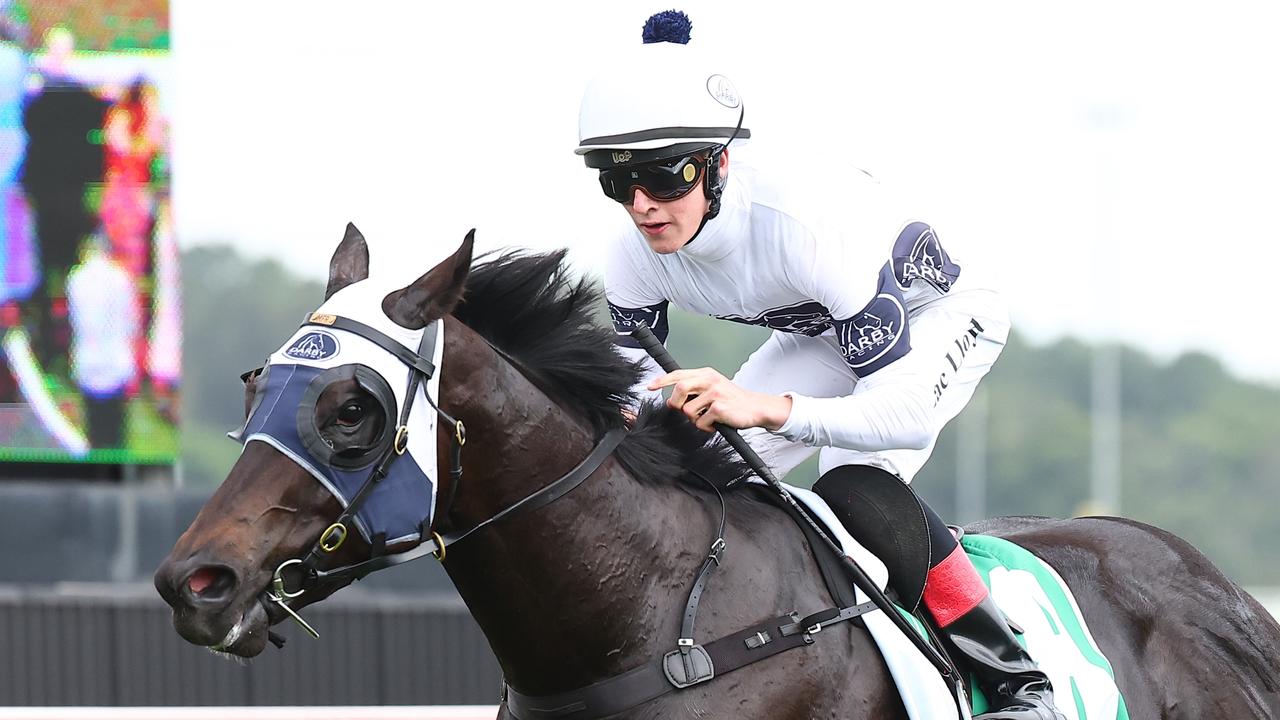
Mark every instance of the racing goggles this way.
pixel 663 180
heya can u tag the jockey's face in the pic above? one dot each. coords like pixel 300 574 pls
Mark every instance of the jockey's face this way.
pixel 667 225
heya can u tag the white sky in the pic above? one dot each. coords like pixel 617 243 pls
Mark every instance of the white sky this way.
pixel 1115 162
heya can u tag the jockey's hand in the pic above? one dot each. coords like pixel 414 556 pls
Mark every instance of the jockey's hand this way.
pixel 708 397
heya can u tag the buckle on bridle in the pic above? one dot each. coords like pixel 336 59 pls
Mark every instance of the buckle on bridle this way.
pixel 333 537
pixel 440 550
pixel 402 439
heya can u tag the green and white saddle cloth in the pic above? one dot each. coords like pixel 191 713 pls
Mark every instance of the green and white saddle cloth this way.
pixel 1029 592
pixel 1036 599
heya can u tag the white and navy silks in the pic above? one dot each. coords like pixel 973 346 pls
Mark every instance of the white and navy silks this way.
pixel 283 412
pixel 878 337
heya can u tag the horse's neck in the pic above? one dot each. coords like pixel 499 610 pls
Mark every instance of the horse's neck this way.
pixel 576 589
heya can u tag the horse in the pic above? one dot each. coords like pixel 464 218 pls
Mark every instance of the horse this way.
pixel 591 583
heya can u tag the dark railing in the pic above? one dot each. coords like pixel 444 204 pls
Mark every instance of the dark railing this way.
pixel 80 623
pixel 122 650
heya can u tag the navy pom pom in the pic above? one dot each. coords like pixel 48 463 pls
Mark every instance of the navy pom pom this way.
pixel 670 26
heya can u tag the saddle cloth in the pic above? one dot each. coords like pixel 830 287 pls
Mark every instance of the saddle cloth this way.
pixel 1030 593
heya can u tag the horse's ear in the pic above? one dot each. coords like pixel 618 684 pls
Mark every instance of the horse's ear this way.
pixel 433 295
pixel 350 262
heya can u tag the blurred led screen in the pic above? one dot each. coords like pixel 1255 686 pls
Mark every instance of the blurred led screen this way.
pixel 90 314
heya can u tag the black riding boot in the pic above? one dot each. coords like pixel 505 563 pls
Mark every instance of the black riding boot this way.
pixel 1015 687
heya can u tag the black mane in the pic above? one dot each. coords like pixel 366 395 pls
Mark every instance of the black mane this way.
pixel 528 307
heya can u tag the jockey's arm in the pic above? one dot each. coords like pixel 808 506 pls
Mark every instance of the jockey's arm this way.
pixel 891 409
pixel 893 404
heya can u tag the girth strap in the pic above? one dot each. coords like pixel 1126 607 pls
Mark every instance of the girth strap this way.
pixel 651 681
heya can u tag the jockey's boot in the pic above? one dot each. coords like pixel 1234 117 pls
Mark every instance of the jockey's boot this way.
pixel 976 629
pixel 1015 687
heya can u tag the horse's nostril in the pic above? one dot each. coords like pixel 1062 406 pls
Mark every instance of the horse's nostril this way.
pixel 210 582
pixel 201 579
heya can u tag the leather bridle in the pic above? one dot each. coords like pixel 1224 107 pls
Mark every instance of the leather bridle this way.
pixel 421 369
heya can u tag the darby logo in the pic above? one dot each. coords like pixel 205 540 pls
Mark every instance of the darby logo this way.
pixel 622 157
pixel 875 333
pixel 923 258
pixel 315 345
pixel 929 262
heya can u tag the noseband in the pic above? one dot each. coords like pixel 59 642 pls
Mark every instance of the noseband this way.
pixel 421 369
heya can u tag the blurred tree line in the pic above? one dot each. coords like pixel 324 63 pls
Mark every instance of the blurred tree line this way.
pixel 1200 455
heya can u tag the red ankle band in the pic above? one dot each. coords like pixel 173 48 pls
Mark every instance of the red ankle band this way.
pixel 953 588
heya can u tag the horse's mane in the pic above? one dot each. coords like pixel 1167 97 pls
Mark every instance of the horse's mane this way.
pixel 529 307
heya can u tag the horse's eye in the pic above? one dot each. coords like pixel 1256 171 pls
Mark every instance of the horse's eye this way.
pixel 350 414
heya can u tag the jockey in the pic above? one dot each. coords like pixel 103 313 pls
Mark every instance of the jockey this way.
pixel 877 338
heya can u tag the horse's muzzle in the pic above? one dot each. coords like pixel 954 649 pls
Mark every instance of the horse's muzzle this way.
pixel 204 597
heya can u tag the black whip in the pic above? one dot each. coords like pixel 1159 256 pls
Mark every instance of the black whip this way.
pixel 659 353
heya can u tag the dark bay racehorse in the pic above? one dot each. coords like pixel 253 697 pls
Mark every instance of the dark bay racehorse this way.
pixel 594 583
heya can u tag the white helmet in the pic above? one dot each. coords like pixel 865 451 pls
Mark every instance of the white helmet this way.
pixel 693 109
pixel 692 105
